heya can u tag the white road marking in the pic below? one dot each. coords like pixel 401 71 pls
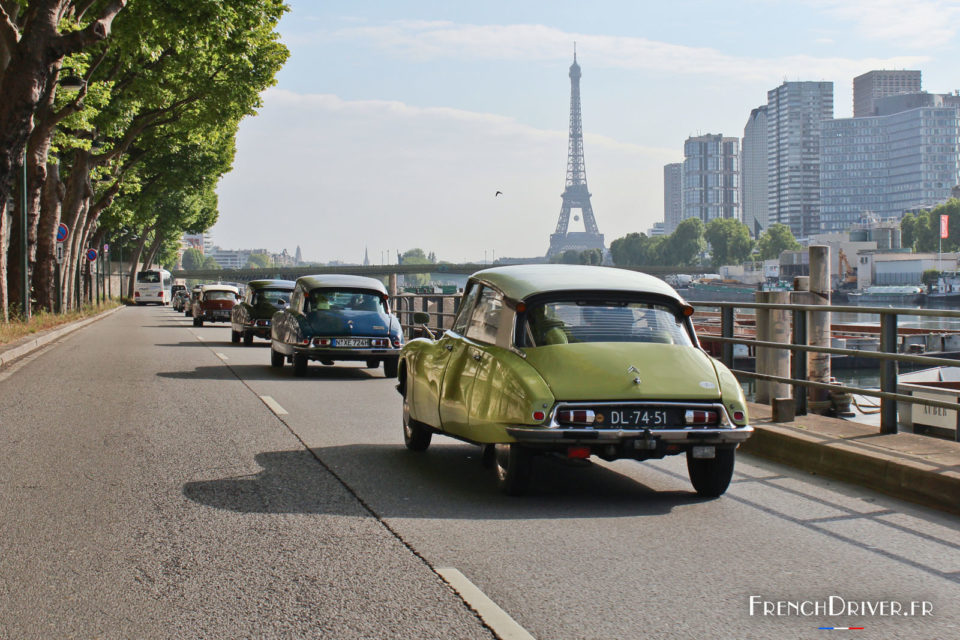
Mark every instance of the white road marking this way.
pixel 505 627
pixel 274 405
pixel 221 356
pixel 199 337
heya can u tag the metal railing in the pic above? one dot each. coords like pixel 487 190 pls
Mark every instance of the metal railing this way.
pixel 442 309
pixel 887 354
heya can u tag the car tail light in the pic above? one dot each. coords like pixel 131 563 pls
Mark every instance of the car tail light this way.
pixel 700 417
pixel 579 453
pixel 739 416
pixel 305 341
pixel 397 342
pixel 539 416
pixel 576 416
pixel 136 294
pixel 321 342
pixel 263 323
pixel 380 342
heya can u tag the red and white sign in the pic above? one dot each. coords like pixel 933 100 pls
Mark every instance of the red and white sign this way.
pixel 944 225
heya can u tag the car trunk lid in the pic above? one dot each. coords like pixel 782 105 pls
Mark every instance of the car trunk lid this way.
pixel 625 371
pixel 348 323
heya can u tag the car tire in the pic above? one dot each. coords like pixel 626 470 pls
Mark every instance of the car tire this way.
pixel 415 436
pixel 488 455
pixel 234 336
pixel 247 339
pixel 299 365
pixel 197 322
pixel 188 313
pixel 276 358
pixel 514 466
pixel 390 368
pixel 373 364
pixel 711 476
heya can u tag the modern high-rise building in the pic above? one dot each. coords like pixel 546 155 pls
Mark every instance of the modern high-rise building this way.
pixel 871 86
pixel 881 166
pixel 795 111
pixel 672 196
pixel 753 161
pixel 711 178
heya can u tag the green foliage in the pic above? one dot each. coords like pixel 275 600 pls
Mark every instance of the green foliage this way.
pixel 415 256
pixel 192 259
pixel 730 241
pixel 258 261
pixel 920 231
pixel 775 240
pixel 210 263
pixel 636 249
pixel 930 276
pixel 686 243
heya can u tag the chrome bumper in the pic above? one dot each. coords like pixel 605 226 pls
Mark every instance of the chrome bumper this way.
pixel 541 435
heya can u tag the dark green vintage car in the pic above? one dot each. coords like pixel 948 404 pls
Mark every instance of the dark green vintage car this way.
pixel 336 318
pixel 252 316
pixel 578 361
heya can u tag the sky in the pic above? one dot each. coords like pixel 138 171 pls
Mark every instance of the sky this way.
pixel 394 123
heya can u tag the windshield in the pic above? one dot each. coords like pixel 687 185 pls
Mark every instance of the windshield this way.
pixel 344 300
pixel 272 296
pixel 569 321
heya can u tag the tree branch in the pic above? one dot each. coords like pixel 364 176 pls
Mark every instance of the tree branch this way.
pixel 8 30
pixel 96 31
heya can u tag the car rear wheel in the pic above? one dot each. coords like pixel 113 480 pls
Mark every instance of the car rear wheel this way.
pixel 373 364
pixel 514 465
pixel 390 368
pixel 234 336
pixel 415 436
pixel 299 365
pixel 197 322
pixel 276 358
pixel 711 476
pixel 247 339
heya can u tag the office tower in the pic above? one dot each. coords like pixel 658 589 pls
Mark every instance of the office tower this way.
pixel 869 87
pixel 754 169
pixel 795 111
pixel 672 196
pixel 711 178
pixel 881 166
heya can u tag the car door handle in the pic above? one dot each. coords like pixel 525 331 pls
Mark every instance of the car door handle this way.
pixel 448 347
pixel 477 357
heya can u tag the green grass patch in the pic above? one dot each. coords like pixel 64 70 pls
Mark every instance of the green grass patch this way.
pixel 42 320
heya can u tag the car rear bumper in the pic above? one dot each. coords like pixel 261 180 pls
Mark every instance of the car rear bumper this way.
pixel 692 435
pixel 348 354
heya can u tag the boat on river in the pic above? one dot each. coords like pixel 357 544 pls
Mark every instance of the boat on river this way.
pixel 906 295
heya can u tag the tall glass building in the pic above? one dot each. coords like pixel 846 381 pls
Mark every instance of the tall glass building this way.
pixel 795 111
pixel 754 171
pixel 882 166
pixel 711 178
pixel 672 196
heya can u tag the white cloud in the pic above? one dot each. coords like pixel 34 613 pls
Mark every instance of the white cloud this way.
pixel 919 24
pixel 422 40
pixel 335 176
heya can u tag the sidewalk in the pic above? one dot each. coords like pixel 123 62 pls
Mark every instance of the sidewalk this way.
pixel 28 344
pixel 911 467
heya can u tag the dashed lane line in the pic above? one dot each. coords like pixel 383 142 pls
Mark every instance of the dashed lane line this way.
pixel 505 627
pixel 274 406
pixel 221 356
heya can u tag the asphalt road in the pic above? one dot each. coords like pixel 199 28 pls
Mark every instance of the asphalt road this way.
pixel 158 481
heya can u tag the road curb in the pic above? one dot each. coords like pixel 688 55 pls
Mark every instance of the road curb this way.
pixel 15 353
pixel 924 483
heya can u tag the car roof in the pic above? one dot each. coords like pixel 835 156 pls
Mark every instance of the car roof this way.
pixel 273 284
pixel 219 287
pixel 524 280
pixel 336 281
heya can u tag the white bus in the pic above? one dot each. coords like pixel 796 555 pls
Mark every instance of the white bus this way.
pixel 152 286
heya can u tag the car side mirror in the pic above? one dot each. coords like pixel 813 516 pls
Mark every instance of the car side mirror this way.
pixel 421 317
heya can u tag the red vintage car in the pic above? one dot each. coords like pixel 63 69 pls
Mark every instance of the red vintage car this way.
pixel 214 303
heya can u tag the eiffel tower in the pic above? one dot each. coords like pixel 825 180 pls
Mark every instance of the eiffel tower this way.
pixel 576 195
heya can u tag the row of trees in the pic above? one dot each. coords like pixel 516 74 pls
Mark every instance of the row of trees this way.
pixel 729 242
pixel 134 156
pixel 920 231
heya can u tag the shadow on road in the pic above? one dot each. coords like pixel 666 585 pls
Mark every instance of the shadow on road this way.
pixel 266 372
pixel 448 481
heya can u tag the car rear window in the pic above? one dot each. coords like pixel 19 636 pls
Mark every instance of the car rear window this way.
pixel 344 300
pixel 570 321
pixel 220 295
pixel 273 296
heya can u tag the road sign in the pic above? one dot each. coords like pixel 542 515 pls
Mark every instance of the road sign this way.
pixel 91 254
pixel 59 253
pixel 106 249
pixel 62 232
